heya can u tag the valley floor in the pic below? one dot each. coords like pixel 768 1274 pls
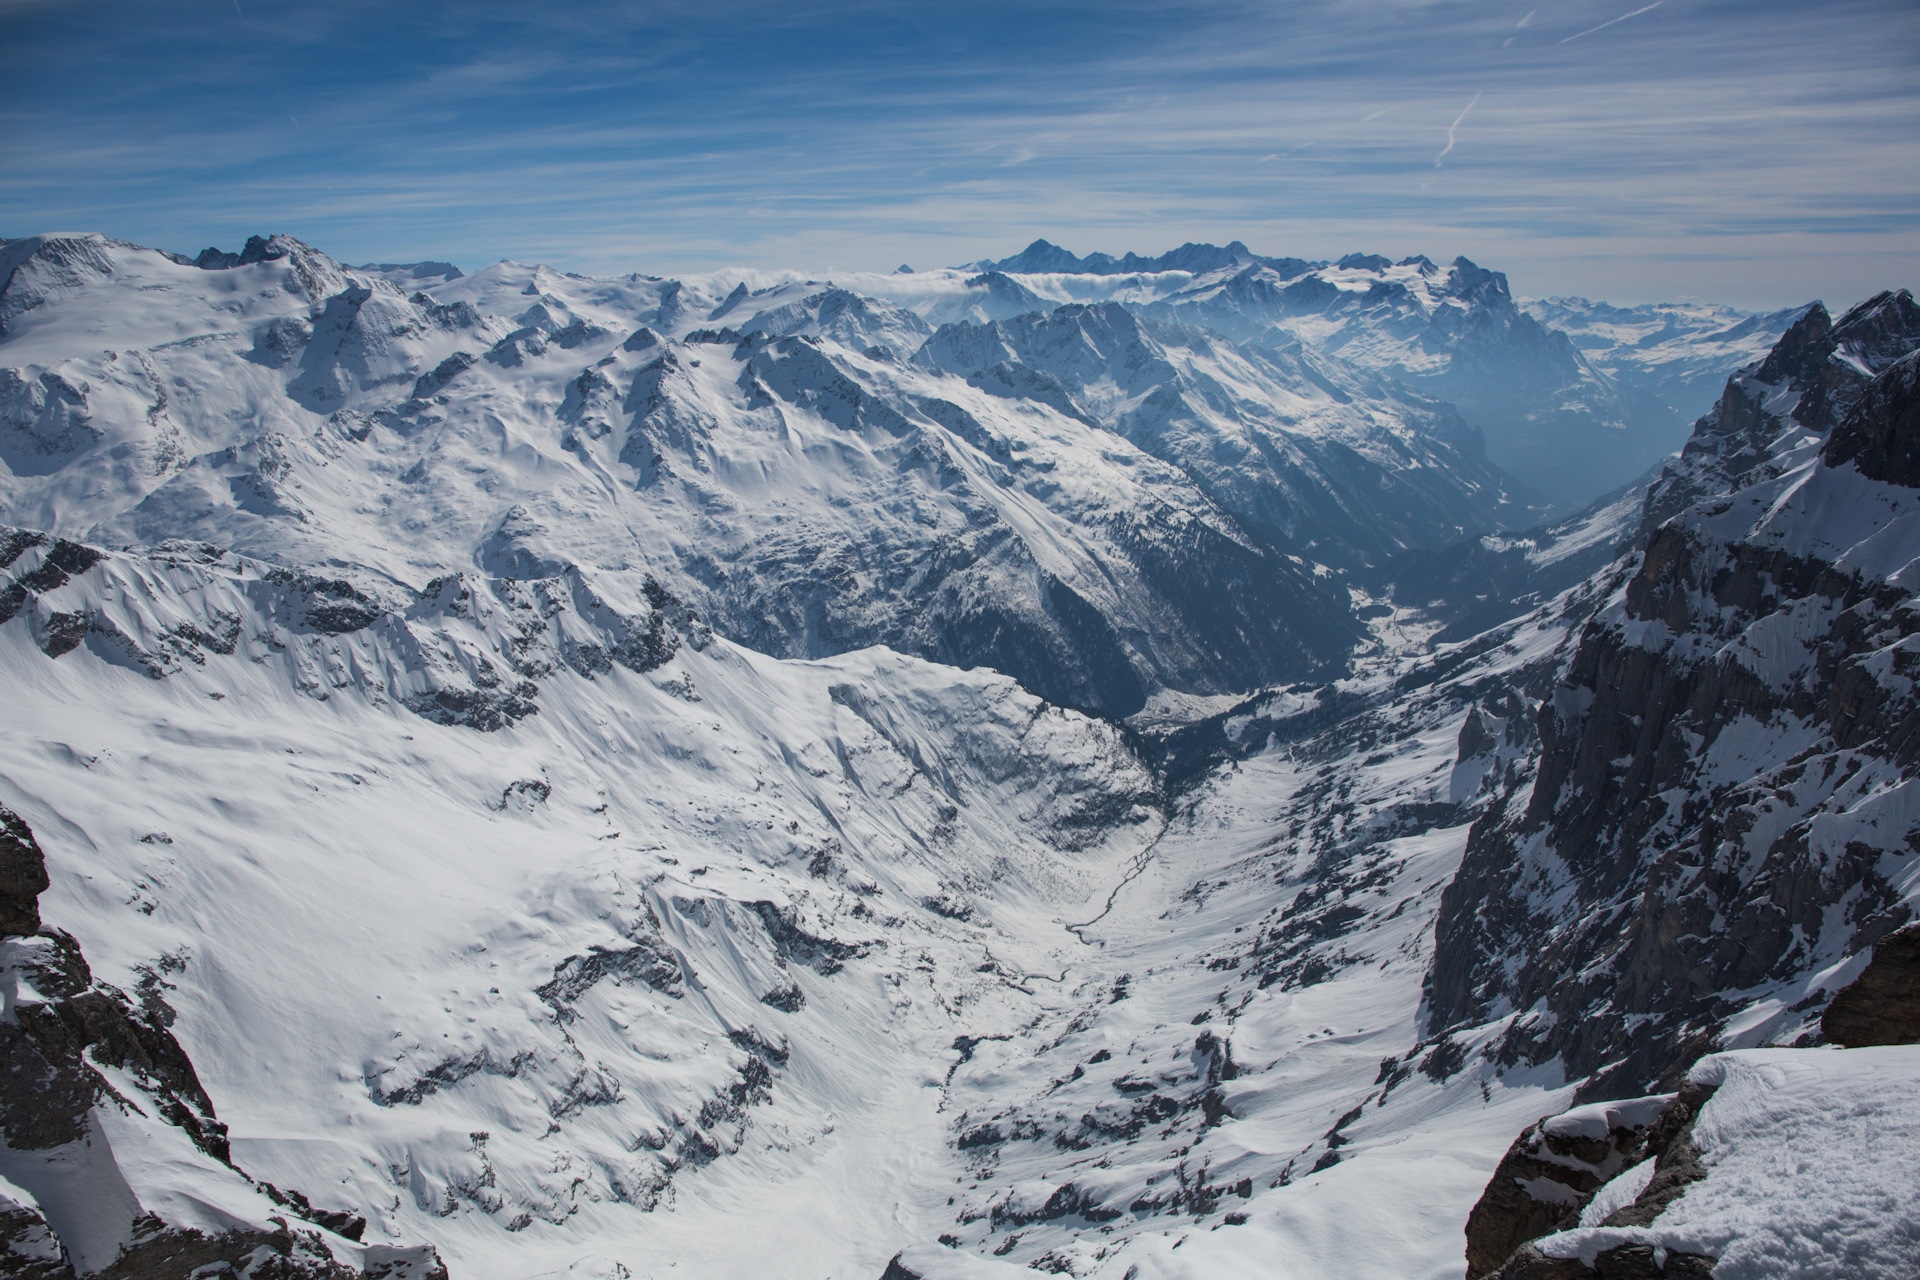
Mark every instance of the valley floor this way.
pixel 1145 1039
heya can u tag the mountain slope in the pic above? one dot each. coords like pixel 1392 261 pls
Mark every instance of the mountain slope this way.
pixel 1308 455
pixel 1721 811
pixel 386 703
pixel 694 927
pixel 807 492
pixel 1571 416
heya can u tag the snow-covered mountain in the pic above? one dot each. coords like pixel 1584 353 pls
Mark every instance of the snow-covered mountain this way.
pixel 1679 351
pixel 1719 825
pixel 773 458
pixel 461 810
pixel 1575 398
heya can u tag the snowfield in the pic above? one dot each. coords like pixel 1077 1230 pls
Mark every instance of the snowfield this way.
pixel 949 775
pixel 1811 1157
pixel 729 939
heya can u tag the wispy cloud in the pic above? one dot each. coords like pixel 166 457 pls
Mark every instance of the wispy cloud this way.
pixel 1452 129
pixel 611 136
pixel 1581 35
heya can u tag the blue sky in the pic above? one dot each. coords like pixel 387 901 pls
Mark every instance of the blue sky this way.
pixel 1759 153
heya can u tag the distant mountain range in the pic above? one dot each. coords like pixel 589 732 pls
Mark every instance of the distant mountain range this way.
pixel 1574 398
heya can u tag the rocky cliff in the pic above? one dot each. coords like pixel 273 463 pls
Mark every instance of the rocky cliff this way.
pixel 1721 818
pixel 114 1164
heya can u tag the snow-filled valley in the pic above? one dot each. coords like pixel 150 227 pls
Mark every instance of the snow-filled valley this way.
pixel 1062 765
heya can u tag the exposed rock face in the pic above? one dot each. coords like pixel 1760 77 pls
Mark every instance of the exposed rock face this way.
pixel 23 876
pixel 61 1035
pixel 29 1250
pixel 1552 1171
pixel 55 1043
pixel 1622 1262
pixel 1882 1005
pixel 1882 435
pixel 1231 419
pixel 1719 799
pixel 1816 373
pixel 538 625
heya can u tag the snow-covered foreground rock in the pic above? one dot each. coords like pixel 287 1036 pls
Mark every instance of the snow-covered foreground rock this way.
pixel 1783 1162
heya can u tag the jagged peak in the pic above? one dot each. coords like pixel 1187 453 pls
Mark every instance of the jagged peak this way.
pixel 1364 262
pixel 1044 257
pixel 1879 330
pixel 1792 352
pixel 1469 278
pixel 739 295
pixel 257 249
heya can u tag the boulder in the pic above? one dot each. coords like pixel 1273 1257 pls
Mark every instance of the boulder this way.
pixel 1882 1005
pixel 1552 1170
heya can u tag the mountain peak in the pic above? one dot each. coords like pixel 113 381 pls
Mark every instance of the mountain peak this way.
pixel 1045 257
pixel 1364 262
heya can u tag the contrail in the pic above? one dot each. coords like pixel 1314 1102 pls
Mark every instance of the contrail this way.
pixel 1450 128
pixel 1610 21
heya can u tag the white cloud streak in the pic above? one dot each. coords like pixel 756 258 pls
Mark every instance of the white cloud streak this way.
pixel 1451 130
pixel 1610 21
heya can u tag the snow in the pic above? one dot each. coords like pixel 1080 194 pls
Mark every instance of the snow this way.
pixel 305 841
pixel 1811 1159
pixel 779 927
pixel 1618 1193
pixel 362 909
pixel 1598 1119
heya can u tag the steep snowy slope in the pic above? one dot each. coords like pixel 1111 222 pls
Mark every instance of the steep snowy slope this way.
pixel 810 496
pixel 1722 817
pixel 1306 453
pixel 692 934
pixel 1572 418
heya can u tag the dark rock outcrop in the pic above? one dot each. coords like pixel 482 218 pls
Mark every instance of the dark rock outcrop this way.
pixel 1882 1005
pixel 1691 881
pixel 1882 435
pixel 1552 1171
pixel 62 1029
pixel 29 1249
pixel 1622 1262
pixel 23 876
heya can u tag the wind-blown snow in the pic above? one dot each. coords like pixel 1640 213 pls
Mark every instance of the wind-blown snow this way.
pixel 1811 1160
